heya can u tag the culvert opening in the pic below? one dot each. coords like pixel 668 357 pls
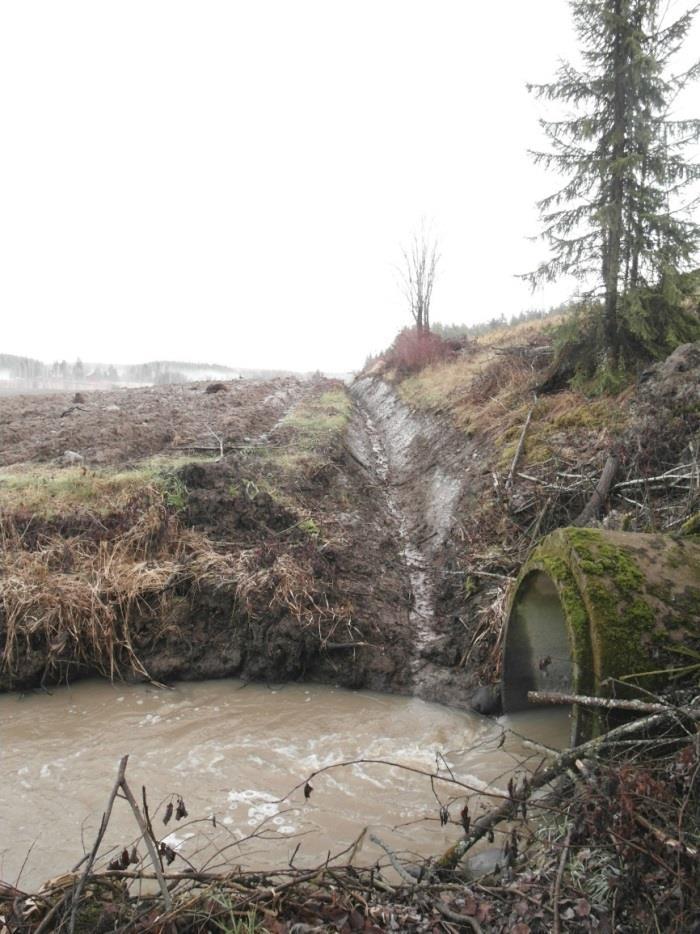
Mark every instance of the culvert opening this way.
pixel 537 651
pixel 594 611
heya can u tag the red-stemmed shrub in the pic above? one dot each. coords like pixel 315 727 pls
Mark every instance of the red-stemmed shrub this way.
pixel 413 350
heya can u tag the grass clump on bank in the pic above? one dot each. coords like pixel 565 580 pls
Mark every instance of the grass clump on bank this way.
pixel 488 390
pixel 47 491
pixel 319 420
pixel 73 600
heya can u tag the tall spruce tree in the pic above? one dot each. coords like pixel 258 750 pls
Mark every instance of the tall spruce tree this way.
pixel 619 219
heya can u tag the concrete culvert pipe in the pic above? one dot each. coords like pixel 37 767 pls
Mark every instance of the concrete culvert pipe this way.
pixel 591 605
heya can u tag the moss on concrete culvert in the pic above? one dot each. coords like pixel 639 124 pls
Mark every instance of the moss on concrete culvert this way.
pixel 692 525
pixel 629 603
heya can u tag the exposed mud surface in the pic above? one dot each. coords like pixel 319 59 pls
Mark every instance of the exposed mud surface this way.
pixel 216 636
pixel 419 467
pixel 119 426
pixel 319 547
pixel 278 562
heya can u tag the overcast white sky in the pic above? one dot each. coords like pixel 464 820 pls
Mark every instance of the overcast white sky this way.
pixel 230 181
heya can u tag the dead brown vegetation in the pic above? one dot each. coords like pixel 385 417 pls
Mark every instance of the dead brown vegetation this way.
pixel 112 571
pixel 77 601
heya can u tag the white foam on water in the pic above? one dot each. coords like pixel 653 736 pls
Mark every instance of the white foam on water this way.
pixel 359 771
pixel 150 719
pixel 235 754
pixel 176 841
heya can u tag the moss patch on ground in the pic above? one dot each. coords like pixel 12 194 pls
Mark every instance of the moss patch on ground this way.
pixel 560 424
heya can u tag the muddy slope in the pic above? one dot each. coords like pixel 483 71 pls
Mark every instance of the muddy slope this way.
pixel 361 641
pixel 326 557
pixel 422 470
pixel 276 563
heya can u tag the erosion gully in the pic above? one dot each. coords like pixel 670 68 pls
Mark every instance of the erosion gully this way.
pixel 239 754
pixel 420 499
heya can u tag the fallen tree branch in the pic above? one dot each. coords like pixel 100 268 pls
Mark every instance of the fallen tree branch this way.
pixel 500 577
pixel 73 894
pixel 670 475
pixel 676 845
pixel 556 894
pixel 451 858
pixel 525 351
pixel 406 874
pixel 519 448
pixel 609 703
pixel 455 916
pixel 150 846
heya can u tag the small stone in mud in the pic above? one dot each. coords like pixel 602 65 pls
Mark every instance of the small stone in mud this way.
pixel 487 700
pixel 483 863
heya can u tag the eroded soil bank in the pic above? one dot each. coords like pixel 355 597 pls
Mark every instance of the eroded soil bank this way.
pixel 277 561
pixel 300 529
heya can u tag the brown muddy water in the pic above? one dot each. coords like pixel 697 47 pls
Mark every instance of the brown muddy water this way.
pixel 232 751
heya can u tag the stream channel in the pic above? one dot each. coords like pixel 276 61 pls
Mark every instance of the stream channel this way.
pixel 233 750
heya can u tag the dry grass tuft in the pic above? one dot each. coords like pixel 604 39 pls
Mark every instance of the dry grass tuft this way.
pixel 75 599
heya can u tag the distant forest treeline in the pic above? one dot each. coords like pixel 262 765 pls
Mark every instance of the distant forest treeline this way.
pixel 453 331
pixel 155 372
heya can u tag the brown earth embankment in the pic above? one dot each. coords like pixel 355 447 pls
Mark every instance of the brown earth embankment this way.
pixel 191 565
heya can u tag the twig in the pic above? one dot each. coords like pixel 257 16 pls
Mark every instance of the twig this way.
pixel 538 522
pixel 527 476
pixel 670 475
pixel 556 921
pixel 500 577
pixel 455 916
pixel 405 873
pixel 519 448
pixel 153 853
pixel 219 440
pixel 98 840
pixel 670 842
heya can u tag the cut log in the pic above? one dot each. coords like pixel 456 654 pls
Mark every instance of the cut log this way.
pixel 592 508
pixel 519 448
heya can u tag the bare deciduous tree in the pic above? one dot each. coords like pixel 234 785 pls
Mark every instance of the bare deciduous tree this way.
pixel 417 275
